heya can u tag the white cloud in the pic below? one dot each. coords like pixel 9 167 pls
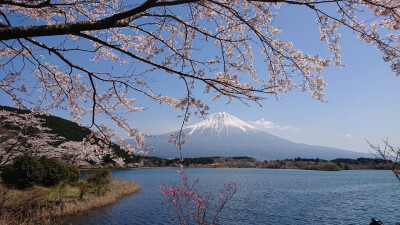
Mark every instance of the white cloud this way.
pixel 265 124
pixel 348 135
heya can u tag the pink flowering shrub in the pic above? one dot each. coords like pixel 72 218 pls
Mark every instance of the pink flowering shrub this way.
pixel 185 205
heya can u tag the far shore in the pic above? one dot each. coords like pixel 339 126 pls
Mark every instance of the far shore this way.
pixel 248 162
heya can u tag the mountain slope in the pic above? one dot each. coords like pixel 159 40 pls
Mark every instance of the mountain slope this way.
pixel 222 134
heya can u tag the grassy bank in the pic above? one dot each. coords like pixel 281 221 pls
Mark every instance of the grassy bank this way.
pixel 40 205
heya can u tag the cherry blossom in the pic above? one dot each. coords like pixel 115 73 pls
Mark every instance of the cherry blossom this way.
pixel 25 133
pixel 142 41
pixel 186 205
pixel 389 154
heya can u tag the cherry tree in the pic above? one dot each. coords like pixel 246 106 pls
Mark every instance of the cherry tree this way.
pixel 389 154
pixel 185 204
pixel 129 45
pixel 25 133
pixel 84 152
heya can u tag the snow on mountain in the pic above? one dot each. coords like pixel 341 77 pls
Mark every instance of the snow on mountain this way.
pixel 220 124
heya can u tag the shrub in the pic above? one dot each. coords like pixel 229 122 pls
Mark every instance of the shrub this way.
pixel 7 174
pixel 73 173
pixel 83 188
pixel 98 182
pixel 330 167
pixel 54 171
pixel 101 177
pixel 25 172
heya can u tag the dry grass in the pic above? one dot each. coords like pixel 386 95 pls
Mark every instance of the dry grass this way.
pixel 118 189
pixel 40 205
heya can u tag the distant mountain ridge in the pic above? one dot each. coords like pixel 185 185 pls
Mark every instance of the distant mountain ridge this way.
pixel 222 134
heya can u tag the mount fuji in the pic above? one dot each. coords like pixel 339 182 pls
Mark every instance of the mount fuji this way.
pixel 222 134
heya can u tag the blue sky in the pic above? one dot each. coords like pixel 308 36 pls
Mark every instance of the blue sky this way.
pixel 362 99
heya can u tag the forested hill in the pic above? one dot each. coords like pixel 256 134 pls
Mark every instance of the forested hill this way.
pixel 71 131
pixel 68 131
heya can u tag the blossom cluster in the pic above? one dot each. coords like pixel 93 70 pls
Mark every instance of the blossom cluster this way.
pixel 130 48
pixel 25 133
pixel 189 206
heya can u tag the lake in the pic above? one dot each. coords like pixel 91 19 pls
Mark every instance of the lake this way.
pixel 265 196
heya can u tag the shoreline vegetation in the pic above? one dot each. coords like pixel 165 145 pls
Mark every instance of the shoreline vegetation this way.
pixel 41 205
pixel 249 162
pixel 44 190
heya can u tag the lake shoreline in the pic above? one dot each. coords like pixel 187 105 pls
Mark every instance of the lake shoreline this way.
pixel 248 162
pixel 43 212
pixel 274 195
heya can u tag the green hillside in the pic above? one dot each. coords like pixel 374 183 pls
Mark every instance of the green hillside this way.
pixel 71 131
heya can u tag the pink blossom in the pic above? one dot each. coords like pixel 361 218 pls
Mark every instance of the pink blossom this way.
pixel 238 30
pixel 189 204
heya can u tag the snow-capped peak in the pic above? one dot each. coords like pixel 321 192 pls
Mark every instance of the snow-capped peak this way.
pixel 221 122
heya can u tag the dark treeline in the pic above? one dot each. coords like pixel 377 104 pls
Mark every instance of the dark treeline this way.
pixel 249 162
pixel 155 161
pixel 361 160
pixel 335 164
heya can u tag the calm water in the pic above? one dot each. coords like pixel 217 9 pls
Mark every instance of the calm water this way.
pixel 265 196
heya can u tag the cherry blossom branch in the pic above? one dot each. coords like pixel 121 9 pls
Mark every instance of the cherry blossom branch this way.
pixel 208 81
pixel 152 38
pixel 389 154
pixel 32 5
pixel 192 207
pixel 117 20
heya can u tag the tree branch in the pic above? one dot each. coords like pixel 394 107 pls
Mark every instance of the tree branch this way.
pixel 117 20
